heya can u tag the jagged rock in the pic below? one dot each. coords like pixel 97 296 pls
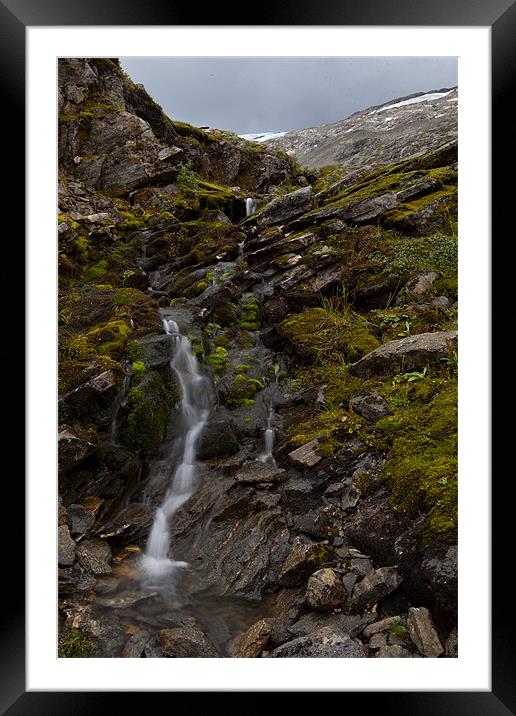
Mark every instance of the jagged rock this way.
pixel 135 645
pixel 382 625
pixel 406 355
pixel 73 448
pixel 322 643
pixel 66 546
pixel 255 639
pixel 422 632
pixel 370 209
pixel 74 580
pixel 325 590
pixel 285 207
pixel 377 641
pixel 350 624
pixel 430 217
pixel 259 472
pixel 306 455
pixel 393 652
pixel 80 519
pixel 374 586
pixel 186 642
pixel 303 559
pixel 371 406
pixel 95 556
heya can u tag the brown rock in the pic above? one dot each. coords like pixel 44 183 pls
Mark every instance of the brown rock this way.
pixel 422 632
pixel 185 642
pixel 325 590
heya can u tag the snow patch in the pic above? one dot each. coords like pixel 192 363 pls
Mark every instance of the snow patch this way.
pixel 422 98
pixel 262 136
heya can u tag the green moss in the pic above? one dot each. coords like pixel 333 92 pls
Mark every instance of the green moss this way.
pixel 421 467
pixel 73 644
pixel 138 369
pixel 398 630
pixel 110 338
pixel 250 314
pixel 326 334
pixel 218 359
pixel 97 270
pixel 242 391
pixel 149 407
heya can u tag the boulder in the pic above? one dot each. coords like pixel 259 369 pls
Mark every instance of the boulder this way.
pixel 156 351
pixel 217 440
pixel 303 559
pixel 371 406
pixel 306 455
pixel 80 519
pixel 95 556
pixel 422 632
pixel 350 624
pixel 322 643
pixel 186 642
pixel 452 644
pixel 377 641
pixel 65 546
pixel 285 207
pixel 73 448
pixel 382 625
pixel 374 586
pixel 255 639
pixel 407 354
pixel 325 590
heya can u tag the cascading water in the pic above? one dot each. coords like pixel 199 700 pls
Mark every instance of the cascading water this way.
pixel 267 456
pixel 194 411
pixel 250 206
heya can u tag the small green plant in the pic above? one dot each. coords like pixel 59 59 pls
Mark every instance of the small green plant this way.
pixel 186 177
pixel 398 630
pixel 409 377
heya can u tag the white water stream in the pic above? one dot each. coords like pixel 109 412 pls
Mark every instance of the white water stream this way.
pixel 194 411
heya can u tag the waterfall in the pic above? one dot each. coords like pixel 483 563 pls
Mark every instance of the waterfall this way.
pixel 266 456
pixel 194 413
pixel 250 206
pixel 241 245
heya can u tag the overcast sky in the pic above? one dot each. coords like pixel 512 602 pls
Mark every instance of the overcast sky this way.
pixel 246 95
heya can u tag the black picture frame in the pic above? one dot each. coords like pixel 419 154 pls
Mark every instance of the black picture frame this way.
pixel 500 16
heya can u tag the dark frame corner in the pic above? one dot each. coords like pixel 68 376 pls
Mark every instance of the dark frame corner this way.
pixel 500 15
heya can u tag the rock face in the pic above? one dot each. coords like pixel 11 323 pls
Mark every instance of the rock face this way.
pixel 384 134
pixel 406 355
pixel 325 590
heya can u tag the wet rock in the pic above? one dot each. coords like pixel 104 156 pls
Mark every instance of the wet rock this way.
pixel 422 632
pixel 94 555
pixel 371 406
pixel 80 519
pixel 65 546
pixel 285 207
pixel 452 644
pixel 218 440
pixel 382 625
pixel 317 523
pixel 406 355
pixel 185 642
pixel 322 643
pixel 135 645
pixel 73 449
pixel 259 472
pixel 374 586
pixel 306 455
pixel 303 559
pixel 124 601
pixel 255 639
pixel 156 351
pixel 393 652
pixel 325 590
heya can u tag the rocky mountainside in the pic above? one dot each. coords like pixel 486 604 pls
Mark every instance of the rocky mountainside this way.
pixel 317 309
pixel 387 133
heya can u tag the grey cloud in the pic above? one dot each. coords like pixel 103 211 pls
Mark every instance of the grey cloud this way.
pixel 246 95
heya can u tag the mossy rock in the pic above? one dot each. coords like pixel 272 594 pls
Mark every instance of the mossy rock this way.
pixel 74 644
